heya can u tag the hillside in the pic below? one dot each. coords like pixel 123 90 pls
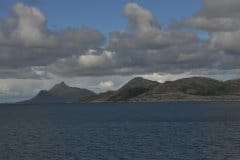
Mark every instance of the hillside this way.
pixel 133 88
pixel 60 93
pixel 194 88
pixel 143 90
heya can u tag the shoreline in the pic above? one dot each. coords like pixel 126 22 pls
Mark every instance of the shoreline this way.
pixel 126 102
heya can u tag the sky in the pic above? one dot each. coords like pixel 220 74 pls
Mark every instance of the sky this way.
pixel 104 15
pixel 100 45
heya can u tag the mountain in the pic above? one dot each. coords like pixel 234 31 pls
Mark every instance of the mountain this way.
pixel 133 88
pixel 60 93
pixel 233 87
pixel 143 90
pixel 194 88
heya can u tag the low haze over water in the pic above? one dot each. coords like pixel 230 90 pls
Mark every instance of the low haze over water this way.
pixel 141 131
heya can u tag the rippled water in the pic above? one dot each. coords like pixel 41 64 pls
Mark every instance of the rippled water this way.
pixel 141 131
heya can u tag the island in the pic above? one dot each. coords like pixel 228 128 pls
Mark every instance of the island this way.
pixel 143 90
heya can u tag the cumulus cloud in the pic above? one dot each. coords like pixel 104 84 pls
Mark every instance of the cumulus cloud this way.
pixel 215 16
pixel 91 60
pixel 28 48
pixel 25 26
pixel 143 47
pixel 27 44
pixel 220 18
pixel 140 19
pixel 145 31
pixel 106 85
pixel 26 41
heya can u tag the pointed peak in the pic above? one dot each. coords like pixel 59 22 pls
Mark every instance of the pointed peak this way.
pixel 59 86
pixel 62 84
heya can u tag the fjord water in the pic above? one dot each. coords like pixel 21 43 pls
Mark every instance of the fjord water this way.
pixel 141 131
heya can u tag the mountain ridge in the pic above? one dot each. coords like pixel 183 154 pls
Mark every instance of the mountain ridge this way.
pixel 59 93
pixel 190 89
pixel 143 90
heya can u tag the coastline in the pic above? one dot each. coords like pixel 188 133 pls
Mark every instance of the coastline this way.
pixel 126 102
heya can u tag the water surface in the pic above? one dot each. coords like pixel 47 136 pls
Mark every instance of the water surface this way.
pixel 141 131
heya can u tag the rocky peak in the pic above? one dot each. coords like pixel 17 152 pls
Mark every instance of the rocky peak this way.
pixel 59 87
pixel 62 84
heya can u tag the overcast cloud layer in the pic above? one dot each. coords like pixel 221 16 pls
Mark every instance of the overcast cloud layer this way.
pixel 30 50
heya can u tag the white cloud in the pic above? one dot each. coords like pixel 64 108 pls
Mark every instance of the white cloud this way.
pixel 106 85
pixel 26 26
pixel 91 60
pixel 26 42
pixel 166 77
pixel 140 19
pixel 220 18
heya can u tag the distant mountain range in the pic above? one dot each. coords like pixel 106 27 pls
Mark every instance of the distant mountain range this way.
pixel 187 89
pixel 142 90
pixel 60 93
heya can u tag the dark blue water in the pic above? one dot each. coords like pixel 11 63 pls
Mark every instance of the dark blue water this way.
pixel 141 131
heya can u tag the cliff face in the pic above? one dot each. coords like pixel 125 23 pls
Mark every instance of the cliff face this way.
pixel 60 93
pixel 195 88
